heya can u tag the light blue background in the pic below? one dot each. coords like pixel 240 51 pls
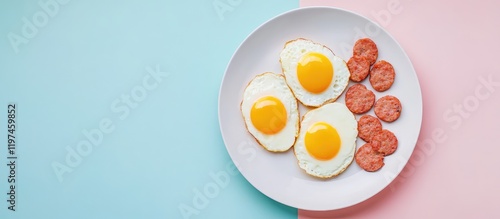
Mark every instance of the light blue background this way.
pixel 65 79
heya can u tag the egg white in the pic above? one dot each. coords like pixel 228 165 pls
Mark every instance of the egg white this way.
pixel 271 84
pixel 338 116
pixel 290 57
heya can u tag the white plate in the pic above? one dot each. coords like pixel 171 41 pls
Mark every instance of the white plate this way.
pixel 278 175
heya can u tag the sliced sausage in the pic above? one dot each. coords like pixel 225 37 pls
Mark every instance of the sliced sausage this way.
pixel 359 67
pixel 359 99
pixel 367 48
pixel 368 126
pixel 384 142
pixel 388 108
pixel 369 159
pixel 382 76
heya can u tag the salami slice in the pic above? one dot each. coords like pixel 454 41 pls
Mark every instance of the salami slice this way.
pixel 384 142
pixel 359 99
pixel 367 48
pixel 382 76
pixel 369 159
pixel 359 67
pixel 388 108
pixel 368 126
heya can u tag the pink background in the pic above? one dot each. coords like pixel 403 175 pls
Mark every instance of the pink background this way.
pixel 455 169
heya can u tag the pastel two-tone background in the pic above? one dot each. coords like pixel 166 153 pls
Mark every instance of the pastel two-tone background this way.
pixel 117 109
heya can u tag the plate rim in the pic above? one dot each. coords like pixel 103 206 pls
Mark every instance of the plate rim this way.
pixel 406 57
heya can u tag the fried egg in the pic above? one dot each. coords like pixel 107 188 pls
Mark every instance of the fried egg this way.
pixel 271 112
pixel 327 140
pixel 315 75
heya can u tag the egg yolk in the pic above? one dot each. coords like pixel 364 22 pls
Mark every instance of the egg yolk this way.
pixel 315 72
pixel 268 115
pixel 322 141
